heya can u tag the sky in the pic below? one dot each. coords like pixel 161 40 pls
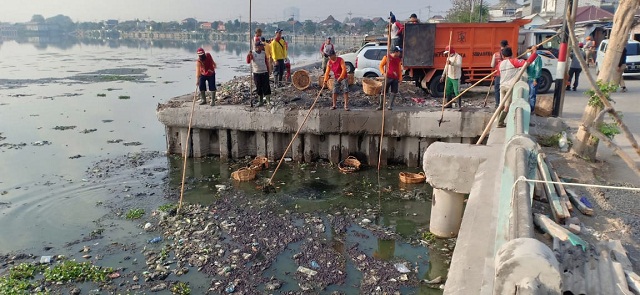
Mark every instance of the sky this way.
pixel 210 10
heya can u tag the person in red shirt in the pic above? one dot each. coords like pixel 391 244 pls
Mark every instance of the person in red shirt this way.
pixel 206 73
pixel 337 66
pixel 393 75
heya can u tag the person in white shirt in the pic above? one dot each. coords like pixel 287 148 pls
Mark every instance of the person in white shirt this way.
pixel 452 73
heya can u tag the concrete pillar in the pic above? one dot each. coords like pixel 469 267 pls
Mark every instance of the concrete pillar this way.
pixel 311 148
pixel 349 145
pixel 412 152
pixel 334 148
pixel 200 140
pixel 261 144
pixel 223 139
pixel 271 147
pixel 184 142
pixel 447 208
pixel 297 148
pixel 527 263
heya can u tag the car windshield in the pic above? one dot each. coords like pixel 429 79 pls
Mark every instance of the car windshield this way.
pixel 633 49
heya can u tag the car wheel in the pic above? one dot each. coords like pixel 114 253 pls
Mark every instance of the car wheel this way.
pixel 350 67
pixel 544 83
pixel 370 75
pixel 436 87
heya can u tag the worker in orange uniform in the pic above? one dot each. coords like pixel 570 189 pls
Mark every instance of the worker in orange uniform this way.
pixel 393 75
pixel 337 66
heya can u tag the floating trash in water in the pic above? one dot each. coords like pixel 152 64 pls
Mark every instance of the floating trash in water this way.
pixel 15 146
pixel 88 131
pixel 64 127
pixel 314 265
pixel 40 143
pixel 130 143
pixel 402 268
pixel 155 240
pixel 124 97
pixel 107 121
pixel 75 157
pixel 115 141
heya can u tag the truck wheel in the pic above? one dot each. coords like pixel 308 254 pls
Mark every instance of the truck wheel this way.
pixel 436 87
pixel 350 67
pixel 544 83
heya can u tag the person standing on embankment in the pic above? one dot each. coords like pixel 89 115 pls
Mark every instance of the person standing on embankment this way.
pixel 324 50
pixel 496 59
pixel 508 77
pixel 260 65
pixel 452 73
pixel 393 75
pixel 206 73
pixel 337 66
pixel 279 54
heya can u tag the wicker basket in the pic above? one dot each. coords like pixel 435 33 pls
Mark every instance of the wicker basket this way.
pixel 408 177
pixel 243 174
pixel 321 81
pixel 371 87
pixel 301 79
pixel 259 163
pixel 348 165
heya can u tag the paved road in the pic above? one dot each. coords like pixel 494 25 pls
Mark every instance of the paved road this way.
pixel 628 104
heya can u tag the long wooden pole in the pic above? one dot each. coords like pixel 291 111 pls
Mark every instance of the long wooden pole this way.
pixel 444 74
pixel 250 67
pixel 384 97
pixel 186 150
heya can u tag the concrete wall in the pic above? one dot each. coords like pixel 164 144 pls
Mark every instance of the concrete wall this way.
pixel 237 131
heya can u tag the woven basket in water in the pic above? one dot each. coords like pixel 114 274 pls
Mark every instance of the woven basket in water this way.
pixel 371 87
pixel 301 79
pixel 408 177
pixel 259 163
pixel 243 174
pixel 348 165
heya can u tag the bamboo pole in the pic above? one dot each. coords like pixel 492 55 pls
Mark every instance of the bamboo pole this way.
pixel 250 67
pixel 384 98
pixel 444 74
pixel 186 150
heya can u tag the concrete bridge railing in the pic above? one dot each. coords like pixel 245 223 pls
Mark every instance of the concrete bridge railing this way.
pixel 495 251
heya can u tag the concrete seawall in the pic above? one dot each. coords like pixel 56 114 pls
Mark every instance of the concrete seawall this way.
pixel 237 131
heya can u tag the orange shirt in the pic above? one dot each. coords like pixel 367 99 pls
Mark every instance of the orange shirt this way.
pixel 338 68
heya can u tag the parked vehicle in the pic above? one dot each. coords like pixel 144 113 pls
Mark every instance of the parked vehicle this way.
pixel 633 57
pixel 350 58
pixel 368 61
pixel 424 57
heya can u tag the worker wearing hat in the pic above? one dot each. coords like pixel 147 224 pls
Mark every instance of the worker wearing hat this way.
pixel 206 73
pixel 337 66
pixel 413 19
pixel 279 54
pixel 260 67
pixel 452 72
pixel 589 50
pixel 393 75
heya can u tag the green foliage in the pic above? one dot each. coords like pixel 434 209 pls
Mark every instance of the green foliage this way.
pixel 609 129
pixel 102 94
pixel 606 88
pixel 72 271
pixel 11 286
pixel 167 207
pixel 549 141
pixel 135 213
pixel 25 271
pixel 124 97
pixel 429 237
pixel 462 11
pixel 181 288
pixel 110 78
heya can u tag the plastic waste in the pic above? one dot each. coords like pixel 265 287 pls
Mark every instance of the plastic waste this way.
pixel 315 265
pixel 563 143
pixel 586 202
pixel 155 240
pixel 402 268
pixel 230 288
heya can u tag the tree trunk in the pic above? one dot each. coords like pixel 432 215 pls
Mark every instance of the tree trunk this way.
pixel 585 146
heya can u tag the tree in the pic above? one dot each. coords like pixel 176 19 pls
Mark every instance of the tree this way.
pixel 37 18
pixel 466 11
pixel 367 26
pixel 309 27
pixel 586 146
pixel 63 22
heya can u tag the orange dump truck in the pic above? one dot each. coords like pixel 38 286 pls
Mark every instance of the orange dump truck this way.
pixel 424 46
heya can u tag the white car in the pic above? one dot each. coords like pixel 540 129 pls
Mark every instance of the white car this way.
pixel 368 61
pixel 633 57
pixel 350 58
